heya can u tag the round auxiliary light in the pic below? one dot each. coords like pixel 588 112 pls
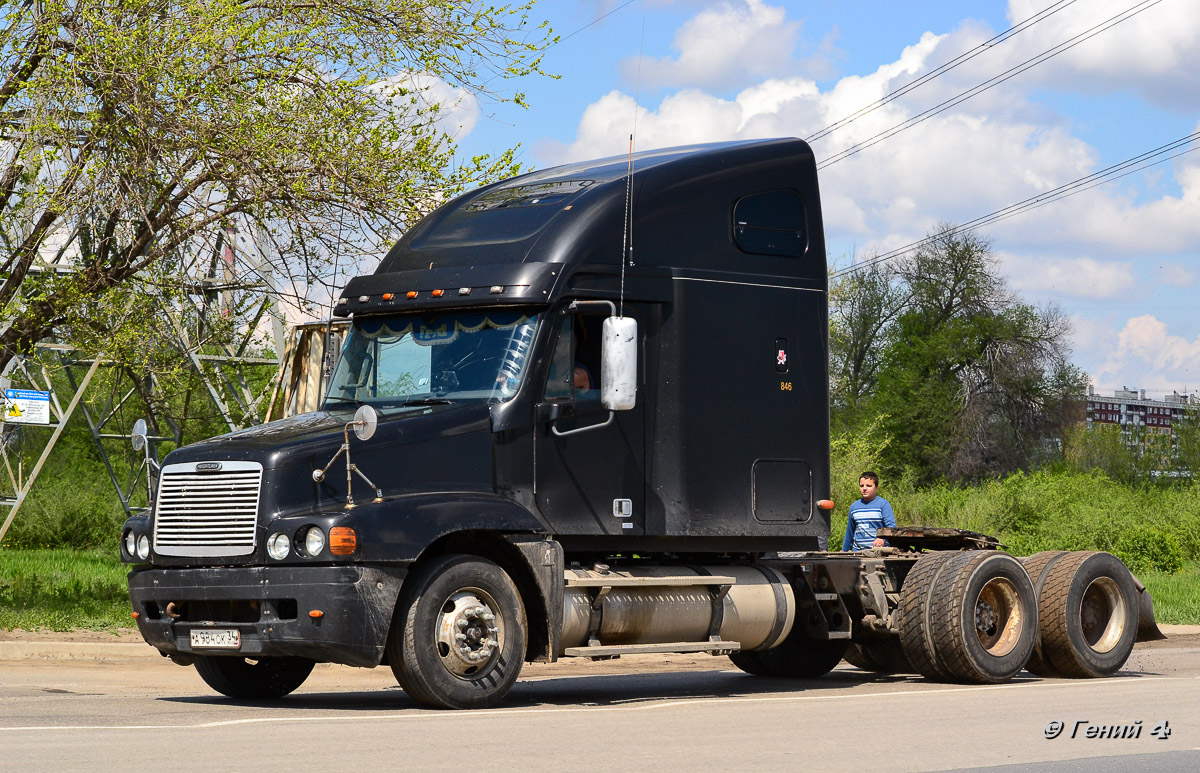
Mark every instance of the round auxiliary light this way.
pixel 143 547
pixel 131 543
pixel 314 541
pixel 278 546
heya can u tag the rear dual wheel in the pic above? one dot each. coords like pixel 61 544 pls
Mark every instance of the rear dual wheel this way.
pixel 968 616
pixel 1088 607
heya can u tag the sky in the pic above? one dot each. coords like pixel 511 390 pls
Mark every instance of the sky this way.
pixel 1081 86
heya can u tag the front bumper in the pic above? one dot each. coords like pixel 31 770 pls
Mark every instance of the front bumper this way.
pixel 270 607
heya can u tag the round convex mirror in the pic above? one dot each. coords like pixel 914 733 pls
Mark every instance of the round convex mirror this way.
pixel 139 435
pixel 365 422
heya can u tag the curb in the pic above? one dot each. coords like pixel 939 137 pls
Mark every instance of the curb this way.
pixel 139 652
pixel 78 651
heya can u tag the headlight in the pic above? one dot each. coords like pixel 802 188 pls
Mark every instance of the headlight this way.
pixel 278 546
pixel 143 547
pixel 130 543
pixel 314 541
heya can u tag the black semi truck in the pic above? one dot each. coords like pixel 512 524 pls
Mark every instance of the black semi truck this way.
pixel 584 413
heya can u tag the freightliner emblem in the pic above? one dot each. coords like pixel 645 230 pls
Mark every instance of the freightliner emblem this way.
pixel 207 466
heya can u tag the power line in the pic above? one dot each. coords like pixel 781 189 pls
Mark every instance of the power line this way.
pixel 1124 168
pixel 1028 64
pixel 594 21
pixel 961 59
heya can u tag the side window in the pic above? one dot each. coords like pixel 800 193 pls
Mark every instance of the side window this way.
pixel 558 385
pixel 575 364
pixel 770 224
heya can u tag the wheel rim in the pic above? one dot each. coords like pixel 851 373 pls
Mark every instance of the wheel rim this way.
pixel 1102 614
pixel 998 617
pixel 470 633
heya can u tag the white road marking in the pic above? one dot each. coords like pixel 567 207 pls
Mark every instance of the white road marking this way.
pixel 688 702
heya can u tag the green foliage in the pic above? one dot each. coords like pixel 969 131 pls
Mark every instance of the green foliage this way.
pixel 322 130
pixel 1147 549
pixel 65 511
pixel 62 590
pixel 1065 510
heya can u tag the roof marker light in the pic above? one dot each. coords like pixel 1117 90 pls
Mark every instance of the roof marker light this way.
pixel 497 289
pixel 411 294
pixel 388 296
pixel 464 291
pixel 438 293
pixel 364 298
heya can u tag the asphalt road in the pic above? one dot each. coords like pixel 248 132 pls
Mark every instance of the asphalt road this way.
pixel 688 714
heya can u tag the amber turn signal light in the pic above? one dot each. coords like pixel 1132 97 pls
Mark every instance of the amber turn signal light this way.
pixel 316 614
pixel 342 540
pixel 825 504
pixel 135 615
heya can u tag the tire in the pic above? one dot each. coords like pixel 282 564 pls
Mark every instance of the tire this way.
pixel 799 657
pixel 986 613
pixel 458 637
pixel 1089 611
pixel 858 656
pixel 914 615
pixel 750 663
pixel 262 679
pixel 1038 566
pixel 883 656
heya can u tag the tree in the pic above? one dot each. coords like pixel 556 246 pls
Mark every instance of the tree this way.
pixel 864 304
pixel 135 131
pixel 972 382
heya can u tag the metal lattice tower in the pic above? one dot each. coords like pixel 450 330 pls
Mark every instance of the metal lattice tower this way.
pixel 221 302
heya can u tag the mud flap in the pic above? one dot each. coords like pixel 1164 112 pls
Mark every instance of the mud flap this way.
pixel 1147 627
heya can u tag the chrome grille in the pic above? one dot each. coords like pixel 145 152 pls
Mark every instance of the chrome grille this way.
pixel 207 512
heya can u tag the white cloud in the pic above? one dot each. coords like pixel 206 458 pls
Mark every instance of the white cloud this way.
pixel 1175 275
pixel 1148 355
pixel 1153 53
pixel 721 46
pixel 1078 277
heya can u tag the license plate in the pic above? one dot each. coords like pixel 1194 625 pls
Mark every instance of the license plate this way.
pixel 220 638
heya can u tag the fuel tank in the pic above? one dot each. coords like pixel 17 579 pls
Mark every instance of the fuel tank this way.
pixel 659 604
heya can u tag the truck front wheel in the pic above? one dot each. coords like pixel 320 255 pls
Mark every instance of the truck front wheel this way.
pixel 458 637
pixel 260 679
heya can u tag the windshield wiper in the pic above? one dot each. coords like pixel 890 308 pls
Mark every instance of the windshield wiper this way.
pixel 336 399
pixel 427 401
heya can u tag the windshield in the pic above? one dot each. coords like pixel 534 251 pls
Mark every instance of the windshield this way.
pixel 429 359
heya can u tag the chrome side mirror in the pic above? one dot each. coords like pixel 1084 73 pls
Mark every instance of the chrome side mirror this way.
pixel 618 363
pixel 138 436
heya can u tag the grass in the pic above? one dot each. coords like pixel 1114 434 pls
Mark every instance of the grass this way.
pixel 62 590
pixel 1176 596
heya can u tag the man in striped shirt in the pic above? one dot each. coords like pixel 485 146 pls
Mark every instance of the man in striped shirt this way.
pixel 867 516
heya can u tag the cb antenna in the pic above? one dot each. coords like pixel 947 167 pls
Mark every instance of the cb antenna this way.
pixel 627 231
